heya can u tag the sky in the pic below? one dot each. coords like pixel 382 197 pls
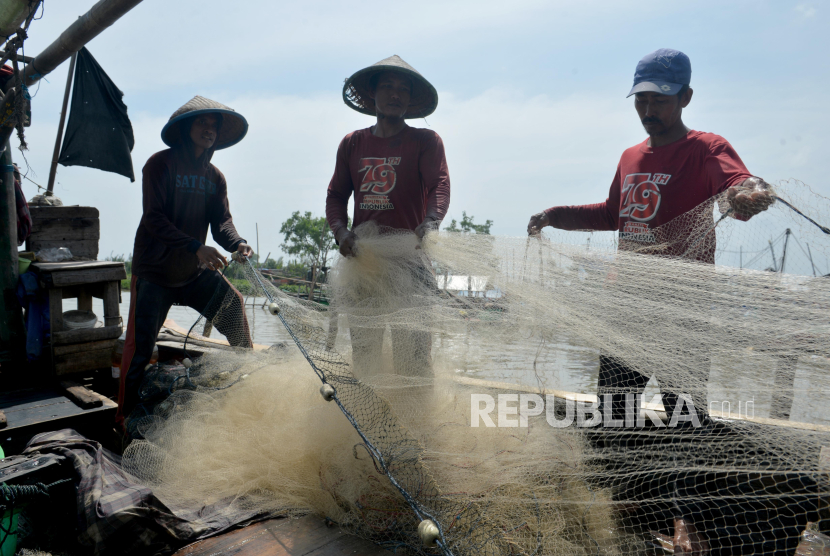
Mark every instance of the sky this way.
pixel 532 95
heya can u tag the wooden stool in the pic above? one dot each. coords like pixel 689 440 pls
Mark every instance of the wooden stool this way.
pixel 91 348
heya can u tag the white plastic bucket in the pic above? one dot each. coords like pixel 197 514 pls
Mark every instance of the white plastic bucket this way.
pixel 76 320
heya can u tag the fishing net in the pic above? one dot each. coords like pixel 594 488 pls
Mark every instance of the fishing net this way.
pixel 575 393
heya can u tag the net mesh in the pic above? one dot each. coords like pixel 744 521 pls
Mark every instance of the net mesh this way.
pixel 463 372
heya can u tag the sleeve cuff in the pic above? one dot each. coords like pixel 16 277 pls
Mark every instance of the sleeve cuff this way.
pixel 193 246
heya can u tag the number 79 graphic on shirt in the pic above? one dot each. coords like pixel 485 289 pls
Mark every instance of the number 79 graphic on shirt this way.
pixel 380 176
pixel 641 196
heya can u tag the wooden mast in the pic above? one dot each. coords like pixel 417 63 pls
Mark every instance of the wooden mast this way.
pixel 53 169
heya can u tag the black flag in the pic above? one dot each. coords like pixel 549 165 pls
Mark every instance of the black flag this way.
pixel 99 133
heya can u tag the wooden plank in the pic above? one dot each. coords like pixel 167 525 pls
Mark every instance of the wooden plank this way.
pixel 111 298
pixel 823 480
pixel 306 536
pixel 87 346
pixel 55 312
pixel 23 399
pixel 84 301
pixel 177 330
pixel 45 268
pixel 71 278
pixel 70 235
pixel 86 335
pixel 83 361
pixel 37 410
pixel 40 225
pixel 82 397
pixel 74 211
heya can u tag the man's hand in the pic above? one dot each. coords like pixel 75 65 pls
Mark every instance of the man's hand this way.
pixel 687 540
pixel 346 239
pixel 537 222
pixel 211 257
pixel 750 197
pixel 245 250
pixel 429 223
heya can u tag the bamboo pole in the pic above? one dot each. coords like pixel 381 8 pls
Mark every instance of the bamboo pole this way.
pixel 12 339
pixel 784 254
pixel 53 169
pixel 84 29
pixel 810 254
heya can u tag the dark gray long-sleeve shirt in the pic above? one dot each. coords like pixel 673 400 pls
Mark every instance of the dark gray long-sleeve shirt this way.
pixel 181 199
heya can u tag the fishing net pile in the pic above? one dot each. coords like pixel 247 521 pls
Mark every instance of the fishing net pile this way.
pixel 445 402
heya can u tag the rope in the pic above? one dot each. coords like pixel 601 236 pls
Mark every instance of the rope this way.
pixel 11 495
pixel 819 226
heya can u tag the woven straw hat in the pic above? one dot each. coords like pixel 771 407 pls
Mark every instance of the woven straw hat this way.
pixel 424 98
pixel 234 125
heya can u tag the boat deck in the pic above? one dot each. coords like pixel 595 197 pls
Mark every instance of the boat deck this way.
pixel 307 536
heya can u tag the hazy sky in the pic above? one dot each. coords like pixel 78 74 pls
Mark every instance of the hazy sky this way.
pixel 532 105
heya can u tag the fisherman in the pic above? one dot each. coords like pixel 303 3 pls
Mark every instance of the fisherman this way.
pixel 673 171
pixel 183 194
pixel 398 175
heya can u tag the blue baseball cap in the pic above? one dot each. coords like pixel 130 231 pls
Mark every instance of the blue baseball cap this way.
pixel 663 71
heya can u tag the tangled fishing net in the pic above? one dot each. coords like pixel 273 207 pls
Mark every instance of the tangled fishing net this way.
pixel 459 379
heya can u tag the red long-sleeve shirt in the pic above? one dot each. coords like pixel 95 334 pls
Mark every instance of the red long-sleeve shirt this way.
pixel 397 181
pixel 181 199
pixel 655 185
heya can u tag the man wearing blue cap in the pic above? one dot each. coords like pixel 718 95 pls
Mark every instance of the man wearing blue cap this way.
pixel 183 195
pixel 672 172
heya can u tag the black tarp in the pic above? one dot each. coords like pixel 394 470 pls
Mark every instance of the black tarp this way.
pixel 99 133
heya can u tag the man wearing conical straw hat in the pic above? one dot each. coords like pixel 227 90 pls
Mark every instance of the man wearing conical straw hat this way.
pixel 183 195
pixel 399 178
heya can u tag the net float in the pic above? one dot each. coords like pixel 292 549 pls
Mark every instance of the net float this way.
pixel 428 532
pixel 327 391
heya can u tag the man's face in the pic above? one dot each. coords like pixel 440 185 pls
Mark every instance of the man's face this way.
pixel 659 113
pixel 392 95
pixel 203 131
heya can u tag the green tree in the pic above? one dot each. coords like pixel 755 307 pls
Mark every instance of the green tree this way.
pixel 310 239
pixel 272 264
pixel 468 226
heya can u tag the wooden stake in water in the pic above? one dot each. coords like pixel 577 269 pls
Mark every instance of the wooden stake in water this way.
pixel 810 254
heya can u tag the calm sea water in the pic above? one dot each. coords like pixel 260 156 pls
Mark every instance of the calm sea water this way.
pixel 561 364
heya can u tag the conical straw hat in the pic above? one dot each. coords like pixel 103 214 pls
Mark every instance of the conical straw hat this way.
pixel 424 98
pixel 234 125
